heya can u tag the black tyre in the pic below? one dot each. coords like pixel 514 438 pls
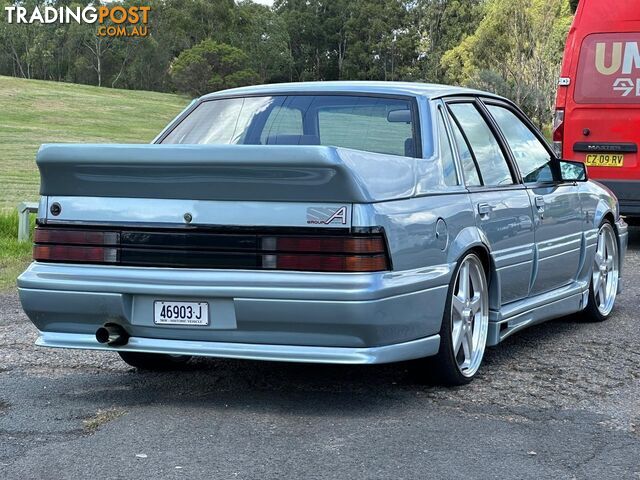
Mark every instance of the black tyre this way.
pixel 154 361
pixel 605 276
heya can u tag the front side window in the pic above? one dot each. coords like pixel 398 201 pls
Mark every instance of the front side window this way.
pixel 493 166
pixel 533 159
pixel 370 123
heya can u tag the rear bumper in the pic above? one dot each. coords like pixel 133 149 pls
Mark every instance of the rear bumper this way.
pixel 314 317
pixel 628 193
pixel 422 347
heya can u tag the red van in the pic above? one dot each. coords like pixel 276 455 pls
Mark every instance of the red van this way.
pixel 597 117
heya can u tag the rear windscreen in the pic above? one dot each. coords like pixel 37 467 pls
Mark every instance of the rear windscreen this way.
pixel 609 69
pixel 370 123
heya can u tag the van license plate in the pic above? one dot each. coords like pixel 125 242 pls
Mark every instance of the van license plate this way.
pixel 604 160
pixel 181 313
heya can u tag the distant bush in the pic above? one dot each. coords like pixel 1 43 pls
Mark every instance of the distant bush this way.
pixel 210 66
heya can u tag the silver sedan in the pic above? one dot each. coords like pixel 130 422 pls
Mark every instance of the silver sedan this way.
pixel 337 222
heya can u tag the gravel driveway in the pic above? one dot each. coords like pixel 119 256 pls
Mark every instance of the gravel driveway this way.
pixel 560 400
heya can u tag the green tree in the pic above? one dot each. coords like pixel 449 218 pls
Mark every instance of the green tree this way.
pixel 515 51
pixel 307 27
pixel 441 26
pixel 263 35
pixel 210 66
pixel 382 41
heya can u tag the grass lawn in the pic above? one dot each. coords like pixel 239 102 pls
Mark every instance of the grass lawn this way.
pixel 14 256
pixel 33 112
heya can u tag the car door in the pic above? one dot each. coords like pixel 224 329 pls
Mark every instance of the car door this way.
pixel 501 203
pixel 558 213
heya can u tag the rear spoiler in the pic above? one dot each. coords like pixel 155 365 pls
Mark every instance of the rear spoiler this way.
pixel 224 172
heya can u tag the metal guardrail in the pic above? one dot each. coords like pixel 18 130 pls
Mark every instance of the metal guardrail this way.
pixel 24 209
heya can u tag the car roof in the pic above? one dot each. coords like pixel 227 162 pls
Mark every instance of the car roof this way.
pixel 429 90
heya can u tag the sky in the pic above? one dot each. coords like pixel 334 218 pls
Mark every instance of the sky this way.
pixel 264 2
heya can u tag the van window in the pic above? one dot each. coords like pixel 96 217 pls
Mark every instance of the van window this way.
pixel 609 69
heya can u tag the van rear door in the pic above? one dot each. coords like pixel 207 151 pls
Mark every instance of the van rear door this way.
pixel 598 100
pixel 601 123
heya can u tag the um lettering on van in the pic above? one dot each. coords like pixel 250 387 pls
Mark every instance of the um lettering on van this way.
pixel 625 58
pixel 609 69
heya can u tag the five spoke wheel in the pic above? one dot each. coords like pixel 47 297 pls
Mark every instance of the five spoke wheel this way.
pixel 605 277
pixel 463 334
pixel 469 315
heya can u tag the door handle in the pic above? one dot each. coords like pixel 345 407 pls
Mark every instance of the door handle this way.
pixel 484 208
pixel 540 206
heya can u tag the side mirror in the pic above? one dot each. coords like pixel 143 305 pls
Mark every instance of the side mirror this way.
pixel 571 171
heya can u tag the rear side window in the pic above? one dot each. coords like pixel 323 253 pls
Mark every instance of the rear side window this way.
pixel 446 155
pixel 493 166
pixel 533 159
pixel 470 170
pixel 375 124
pixel 609 69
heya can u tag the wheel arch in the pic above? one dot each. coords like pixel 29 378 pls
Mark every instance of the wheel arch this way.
pixel 472 239
pixel 603 211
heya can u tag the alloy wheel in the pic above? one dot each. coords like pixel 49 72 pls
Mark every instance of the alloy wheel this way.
pixel 469 316
pixel 605 270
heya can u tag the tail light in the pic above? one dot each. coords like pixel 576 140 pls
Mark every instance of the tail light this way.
pixel 75 237
pixel 73 254
pixel 366 252
pixel 326 254
pixel 558 132
pixel 70 245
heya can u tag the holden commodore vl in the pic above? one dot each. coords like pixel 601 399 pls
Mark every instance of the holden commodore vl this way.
pixel 333 222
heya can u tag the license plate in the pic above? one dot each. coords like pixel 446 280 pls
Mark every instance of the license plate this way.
pixel 605 160
pixel 180 313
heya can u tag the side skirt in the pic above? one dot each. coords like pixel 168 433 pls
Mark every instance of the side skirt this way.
pixel 532 311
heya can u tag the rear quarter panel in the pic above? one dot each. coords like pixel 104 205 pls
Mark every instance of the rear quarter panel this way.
pixel 423 235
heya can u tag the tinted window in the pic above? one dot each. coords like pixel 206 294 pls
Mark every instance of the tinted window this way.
pixel 484 146
pixel 220 122
pixel 375 124
pixel 469 168
pixel 533 159
pixel 281 121
pixel 446 155
pixel 364 125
